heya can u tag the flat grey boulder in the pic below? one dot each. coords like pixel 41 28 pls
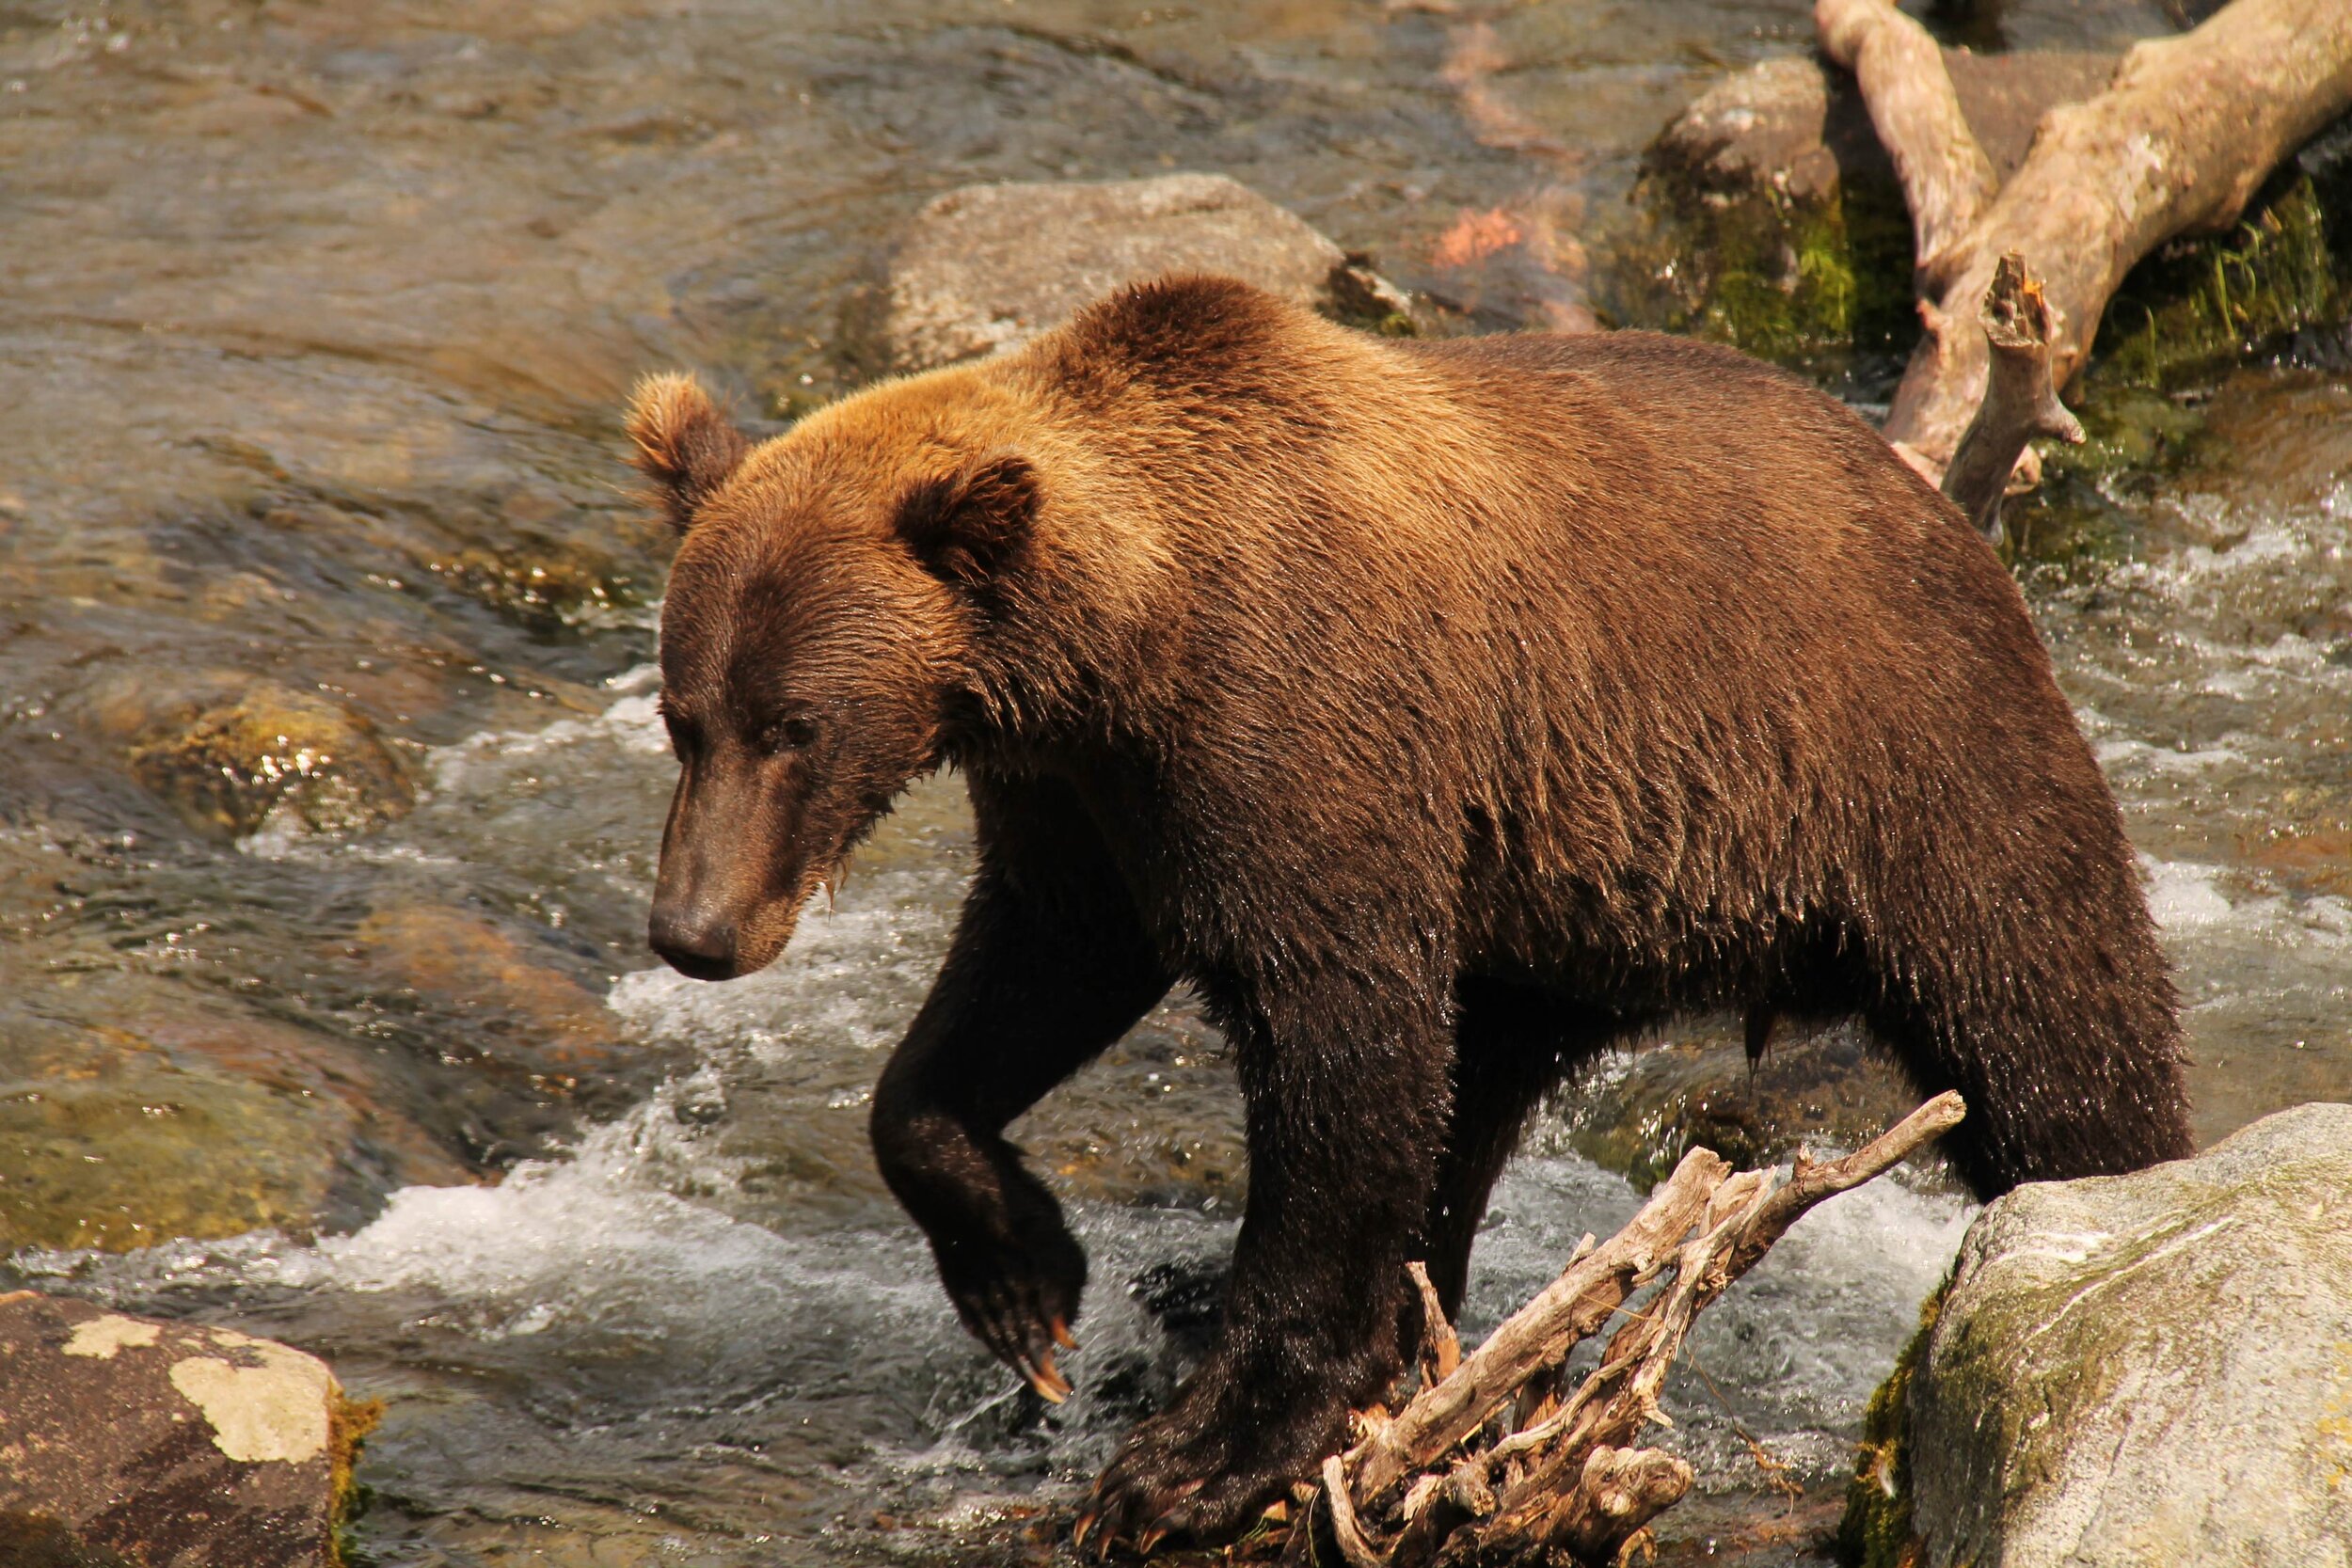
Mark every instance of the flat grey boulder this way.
pixel 2153 1368
pixel 990 266
pixel 172 1445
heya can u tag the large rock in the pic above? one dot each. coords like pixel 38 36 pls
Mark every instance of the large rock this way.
pixel 989 266
pixel 175 1445
pixel 2150 1369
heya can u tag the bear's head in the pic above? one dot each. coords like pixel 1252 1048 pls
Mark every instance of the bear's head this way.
pixel 817 624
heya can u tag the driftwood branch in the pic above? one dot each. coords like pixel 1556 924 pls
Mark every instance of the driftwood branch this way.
pixel 2185 134
pixel 1946 179
pixel 1464 1477
pixel 2021 398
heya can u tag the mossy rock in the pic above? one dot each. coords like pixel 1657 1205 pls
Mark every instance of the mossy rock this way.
pixel 1768 218
pixel 1807 280
pixel 1876 1531
pixel 2147 1368
pixel 2201 305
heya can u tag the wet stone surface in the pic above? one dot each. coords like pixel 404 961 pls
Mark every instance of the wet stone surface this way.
pixel 320 320
pixel 988 267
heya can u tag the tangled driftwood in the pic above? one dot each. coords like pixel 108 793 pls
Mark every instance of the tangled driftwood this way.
pixel 2185 134
pixel 1494 1460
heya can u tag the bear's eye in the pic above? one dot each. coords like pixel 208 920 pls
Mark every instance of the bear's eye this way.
pixel 684 737
pixel 794 733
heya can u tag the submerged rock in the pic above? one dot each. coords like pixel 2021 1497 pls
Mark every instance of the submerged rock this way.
pixel 2149 1368
pixel 166 1442
pixel 226 751
pixel 183 1117
pixel 1640 1113
pixel 990 266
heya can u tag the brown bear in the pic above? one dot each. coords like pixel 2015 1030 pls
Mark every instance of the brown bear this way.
pixel 1442 713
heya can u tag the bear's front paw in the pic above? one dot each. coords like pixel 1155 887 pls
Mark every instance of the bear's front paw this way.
pixel 1017 1290
pixel 1206 1468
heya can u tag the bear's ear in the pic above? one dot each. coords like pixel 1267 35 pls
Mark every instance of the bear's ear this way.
pixel 966 526
pixel 684 444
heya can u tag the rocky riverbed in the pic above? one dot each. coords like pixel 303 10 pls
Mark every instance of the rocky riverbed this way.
pixel 330 785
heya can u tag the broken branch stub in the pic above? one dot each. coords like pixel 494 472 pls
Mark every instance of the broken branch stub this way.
pixel 2020 398
pixel 1448 1484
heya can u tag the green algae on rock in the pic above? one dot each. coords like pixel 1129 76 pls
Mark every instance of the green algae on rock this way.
pixel 1876 1531
pixel 2205 304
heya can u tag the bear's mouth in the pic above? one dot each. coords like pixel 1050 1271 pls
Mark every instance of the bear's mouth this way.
pixel 762 938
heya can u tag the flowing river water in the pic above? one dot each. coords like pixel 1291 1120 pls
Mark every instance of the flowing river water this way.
pixel 317 319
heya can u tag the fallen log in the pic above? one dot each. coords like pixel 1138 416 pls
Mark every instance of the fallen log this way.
pixel 2185 134
pixel 1463 1475
pixel 1946 179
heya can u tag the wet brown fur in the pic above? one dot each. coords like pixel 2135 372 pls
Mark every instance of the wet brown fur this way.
pixel 1442 712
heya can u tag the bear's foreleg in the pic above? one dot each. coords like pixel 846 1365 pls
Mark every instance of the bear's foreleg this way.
pixel 1345 1079
pixel 1049 965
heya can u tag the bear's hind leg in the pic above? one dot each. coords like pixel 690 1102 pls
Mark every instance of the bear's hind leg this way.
pixel 2066 1049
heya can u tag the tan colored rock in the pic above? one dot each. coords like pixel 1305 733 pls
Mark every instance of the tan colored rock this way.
pixel 989 266
pixel 473 967
pixel 174 1445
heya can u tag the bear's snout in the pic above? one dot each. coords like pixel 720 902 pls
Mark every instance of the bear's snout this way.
pixel 697 943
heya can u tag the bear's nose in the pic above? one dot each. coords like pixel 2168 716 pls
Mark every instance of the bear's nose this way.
pixel 699 949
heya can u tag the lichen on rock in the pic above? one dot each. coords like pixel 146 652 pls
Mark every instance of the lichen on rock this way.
pixel 126 1439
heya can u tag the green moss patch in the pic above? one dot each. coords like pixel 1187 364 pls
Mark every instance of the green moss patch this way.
pixel 1814 283
pixel 1876 1531
pixel 2199 305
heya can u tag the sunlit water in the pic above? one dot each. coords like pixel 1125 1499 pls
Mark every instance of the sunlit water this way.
pixel 319 316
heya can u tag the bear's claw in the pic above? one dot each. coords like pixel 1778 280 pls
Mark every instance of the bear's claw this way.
pixel 1017 1299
